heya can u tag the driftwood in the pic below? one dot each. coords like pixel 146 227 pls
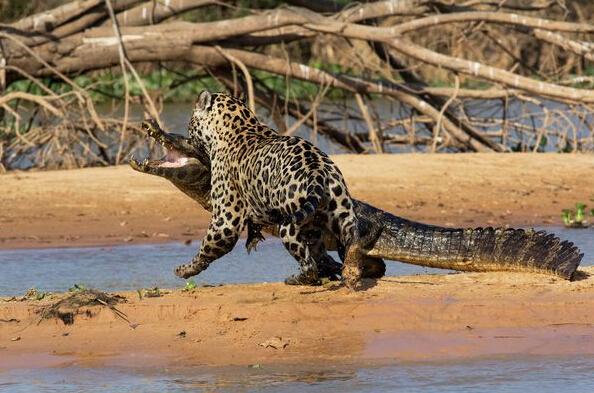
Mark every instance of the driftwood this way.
pixel 527 56
pixel 80 302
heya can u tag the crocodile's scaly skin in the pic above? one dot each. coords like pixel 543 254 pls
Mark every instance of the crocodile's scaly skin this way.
pixel 470 249
pixel 391 237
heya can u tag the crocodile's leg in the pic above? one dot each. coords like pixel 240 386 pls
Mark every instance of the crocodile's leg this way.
pixel 373 267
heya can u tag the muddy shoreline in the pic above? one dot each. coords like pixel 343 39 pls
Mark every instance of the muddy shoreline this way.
pixel 414 318
pixel 116 205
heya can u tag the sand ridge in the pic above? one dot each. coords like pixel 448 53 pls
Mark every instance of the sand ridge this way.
pixel 116 205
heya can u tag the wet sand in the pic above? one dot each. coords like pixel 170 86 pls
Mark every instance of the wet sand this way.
pixel 106 206
pixel 415 318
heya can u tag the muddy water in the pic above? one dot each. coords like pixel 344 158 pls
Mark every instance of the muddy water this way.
pixel 526 375
pixel 143 266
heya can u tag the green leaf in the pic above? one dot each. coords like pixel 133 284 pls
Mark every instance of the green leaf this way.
pixel 580 212
pixel 190 284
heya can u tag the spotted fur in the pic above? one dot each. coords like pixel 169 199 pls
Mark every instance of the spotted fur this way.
pixel 262 178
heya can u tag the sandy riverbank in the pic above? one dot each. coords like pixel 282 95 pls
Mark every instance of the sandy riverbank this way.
pixel 100 206
pixel 416 318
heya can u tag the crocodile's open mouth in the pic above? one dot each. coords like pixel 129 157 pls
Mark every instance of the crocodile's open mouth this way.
pixel 172 159
pixel 179 153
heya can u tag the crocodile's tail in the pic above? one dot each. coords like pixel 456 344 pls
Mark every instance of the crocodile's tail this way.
pixel 476 250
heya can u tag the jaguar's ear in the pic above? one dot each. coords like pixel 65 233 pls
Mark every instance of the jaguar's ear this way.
pixel 203 102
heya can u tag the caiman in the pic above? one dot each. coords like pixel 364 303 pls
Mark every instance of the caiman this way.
pixel 388 236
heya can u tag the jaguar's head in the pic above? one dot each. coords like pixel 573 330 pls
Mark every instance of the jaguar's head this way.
pixel 216 117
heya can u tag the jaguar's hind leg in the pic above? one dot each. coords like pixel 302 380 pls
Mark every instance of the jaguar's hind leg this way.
pixel 342 222
pixel 296 240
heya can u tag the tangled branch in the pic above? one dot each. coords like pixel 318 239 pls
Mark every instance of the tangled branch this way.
pixel 359 75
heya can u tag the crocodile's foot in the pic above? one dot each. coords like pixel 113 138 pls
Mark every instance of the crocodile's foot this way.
pixel 373 267
pixel 303 278
pixel 330 269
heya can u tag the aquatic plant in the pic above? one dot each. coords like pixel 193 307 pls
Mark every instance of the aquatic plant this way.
pixel 190 285
pixel 576 218
pixel 580 212
pixel 567 217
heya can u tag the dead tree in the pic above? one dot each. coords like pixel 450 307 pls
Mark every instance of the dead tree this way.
pixel 511 73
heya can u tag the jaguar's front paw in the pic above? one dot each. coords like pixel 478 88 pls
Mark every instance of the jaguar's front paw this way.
pixel 187 271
